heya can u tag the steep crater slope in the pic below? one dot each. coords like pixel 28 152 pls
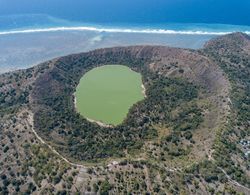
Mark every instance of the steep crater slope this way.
pixel 184 93
pixel 232 53
pixel 189 136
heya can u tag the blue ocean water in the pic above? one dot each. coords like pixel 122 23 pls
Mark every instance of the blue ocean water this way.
pixel 135 11
pixel 161 16
pixel 31 23
pixel 32 31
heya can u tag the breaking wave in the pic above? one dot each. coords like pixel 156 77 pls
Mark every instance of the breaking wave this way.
pixel 117 30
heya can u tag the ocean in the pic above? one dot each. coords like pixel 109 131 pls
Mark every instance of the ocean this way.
pixel 32 23
pixel 34 31
pixel 143 12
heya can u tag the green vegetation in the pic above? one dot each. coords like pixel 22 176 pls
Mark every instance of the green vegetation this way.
pixel 105 187
pixel 106 93
pixel 45 165
pixel 235 62
pixel 12 98
pixel 185 137
pixel 83 140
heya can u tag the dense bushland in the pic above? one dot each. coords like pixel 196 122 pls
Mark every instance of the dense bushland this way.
pixel 167 102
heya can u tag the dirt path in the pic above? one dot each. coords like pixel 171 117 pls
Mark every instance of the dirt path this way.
pixel 233 181
pixel 210 157
pixel 31 120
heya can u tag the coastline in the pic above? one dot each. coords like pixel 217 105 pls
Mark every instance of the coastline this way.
pixel 143 90
pixel 26 46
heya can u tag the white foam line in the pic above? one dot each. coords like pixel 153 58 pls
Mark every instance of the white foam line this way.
pixel 114 30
